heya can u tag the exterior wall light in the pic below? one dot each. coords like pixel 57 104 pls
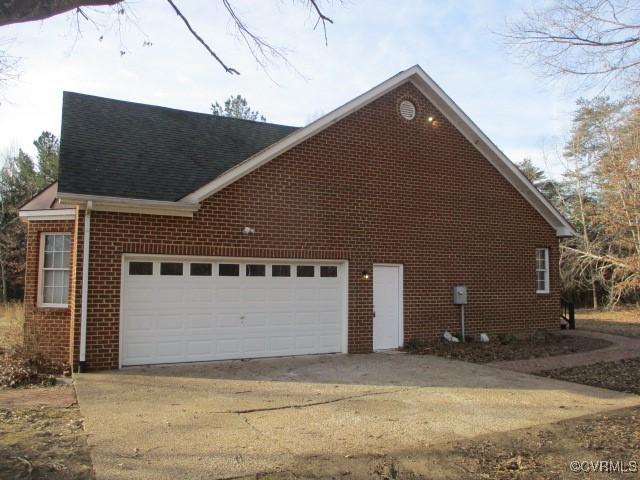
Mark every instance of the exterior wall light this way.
pixel 430 119
pixel 365 275
pixel 248 231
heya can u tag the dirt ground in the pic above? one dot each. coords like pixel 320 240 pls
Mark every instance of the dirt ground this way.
pixel 43 443
pixel 540 453
pixel 618 322
pixel 542 344
pixel 623 375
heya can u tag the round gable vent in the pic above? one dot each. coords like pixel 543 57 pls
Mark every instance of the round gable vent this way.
pixel 407 110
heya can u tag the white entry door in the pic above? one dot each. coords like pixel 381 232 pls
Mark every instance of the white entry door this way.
pixel 387 305
pixel 185 310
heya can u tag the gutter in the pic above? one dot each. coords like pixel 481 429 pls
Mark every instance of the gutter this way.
pixel 85 286
pixel 130 205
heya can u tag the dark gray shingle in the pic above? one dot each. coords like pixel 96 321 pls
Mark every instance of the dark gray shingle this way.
pixel 124 149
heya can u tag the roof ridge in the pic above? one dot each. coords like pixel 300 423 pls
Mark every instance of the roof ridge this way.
pixel 161 107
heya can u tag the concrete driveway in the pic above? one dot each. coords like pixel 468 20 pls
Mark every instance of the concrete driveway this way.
pixel 229 419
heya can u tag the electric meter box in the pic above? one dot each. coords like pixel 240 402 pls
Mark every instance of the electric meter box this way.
pixel 460 295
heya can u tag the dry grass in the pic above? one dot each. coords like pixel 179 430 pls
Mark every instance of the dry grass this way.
pixel 618 322
pixel 11 322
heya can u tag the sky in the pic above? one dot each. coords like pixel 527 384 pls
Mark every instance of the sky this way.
pixel 455 43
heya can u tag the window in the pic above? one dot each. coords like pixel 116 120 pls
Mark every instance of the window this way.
pixel 170 268
pixel 255 270
pixel 229 270
pixel 200 269
pixel 281 270
pixel 54 276
pixel 542 270
pixel 140 268
pixel 305 270
pixel 328 271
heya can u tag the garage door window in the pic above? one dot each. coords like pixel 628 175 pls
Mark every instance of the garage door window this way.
pixel 328 271
pixel 140 268
pixel 200 269
pixel 305 270
pixel 170 268
pixel 229 270
pixel 281 270
pixel 255 270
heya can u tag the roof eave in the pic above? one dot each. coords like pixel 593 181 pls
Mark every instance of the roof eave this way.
pixel 130 205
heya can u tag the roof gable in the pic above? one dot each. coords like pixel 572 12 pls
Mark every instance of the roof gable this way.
pixel 113 148
pixel 442 102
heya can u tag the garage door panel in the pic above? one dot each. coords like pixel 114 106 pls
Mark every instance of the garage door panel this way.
pixel 199 321
pixel 229 320
pixel 169 323
pixel 229 295
pixel 281 293
pixel 255 319
pixel 280 319
pixel 199 348
pixel 255 294
pixel 228 346
pixel 182 318
pixel 306 318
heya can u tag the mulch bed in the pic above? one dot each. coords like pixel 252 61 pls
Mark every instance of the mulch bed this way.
pixel 43 443
pixel 621 375
pixel 503 348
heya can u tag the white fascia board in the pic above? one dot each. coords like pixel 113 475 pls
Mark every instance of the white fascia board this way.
pixel 49 214
pixel 130 205
pixel 441 100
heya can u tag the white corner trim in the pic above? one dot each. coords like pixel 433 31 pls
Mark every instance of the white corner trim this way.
pixel 49 214
pixel 130 205
pixel 443 102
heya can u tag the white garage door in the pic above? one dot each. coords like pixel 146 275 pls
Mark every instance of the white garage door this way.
pixel 197 310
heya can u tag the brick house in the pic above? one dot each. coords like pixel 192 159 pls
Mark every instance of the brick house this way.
pixel 216 238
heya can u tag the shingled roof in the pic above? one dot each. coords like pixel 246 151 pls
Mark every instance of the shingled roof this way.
pixel 123 149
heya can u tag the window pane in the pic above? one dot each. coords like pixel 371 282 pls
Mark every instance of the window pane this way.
pixel 140 268
pixel 47 295
pixel 49 278
pixel 200 269
pixel 281 270
pixel 305 270
pixel 170 268
pixel 58 241
pixel 328 271
pixel 49 243
pixel 67 243
pixel 229 270
pixel 48 260
pixel 58 278
pixel 57 295
pixel 65 294
pixel 256 270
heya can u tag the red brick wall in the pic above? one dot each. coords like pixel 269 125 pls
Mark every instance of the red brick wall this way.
pixel 47 329
pixel 372 188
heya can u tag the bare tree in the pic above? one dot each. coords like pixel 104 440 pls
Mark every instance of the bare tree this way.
pixel 17 11
pixel 596 40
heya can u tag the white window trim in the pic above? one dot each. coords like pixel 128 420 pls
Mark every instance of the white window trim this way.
pixel 546 271
pixel 40 302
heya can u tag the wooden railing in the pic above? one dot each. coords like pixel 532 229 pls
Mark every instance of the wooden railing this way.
pixel 568 313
